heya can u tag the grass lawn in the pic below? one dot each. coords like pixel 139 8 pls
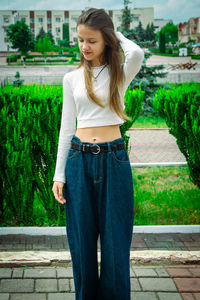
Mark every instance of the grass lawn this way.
pixel 162 196
pixel 149 122
pixel 165 196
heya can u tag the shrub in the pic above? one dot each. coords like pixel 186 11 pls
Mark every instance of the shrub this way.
pixel 180 107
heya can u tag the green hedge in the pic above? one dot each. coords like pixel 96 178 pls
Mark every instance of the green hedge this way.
pixel 180 107
pixel 30 119
pixel 29 126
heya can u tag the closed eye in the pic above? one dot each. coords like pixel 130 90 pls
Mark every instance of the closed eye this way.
pixel 81 41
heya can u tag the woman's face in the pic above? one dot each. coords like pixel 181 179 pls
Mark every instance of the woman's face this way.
pixel 91 43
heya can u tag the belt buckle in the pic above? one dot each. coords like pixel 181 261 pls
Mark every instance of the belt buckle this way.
pixel 98 149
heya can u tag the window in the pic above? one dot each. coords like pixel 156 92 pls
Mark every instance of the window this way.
pixel 32 20
pixel 73 29
pixel 57 30
pixel 119 19
pixel 75 39
pixel 40 20
pixel 5 19
pixel 66 20
pixel 23 19
pixel 74 19
pixel 58 19
pixel 48 20
pixel 32 30
pixel 136 19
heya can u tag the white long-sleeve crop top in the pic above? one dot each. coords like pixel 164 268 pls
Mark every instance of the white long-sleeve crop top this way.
pixel 76 104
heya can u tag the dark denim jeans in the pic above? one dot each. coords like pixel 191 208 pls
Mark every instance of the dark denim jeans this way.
pixel 99 201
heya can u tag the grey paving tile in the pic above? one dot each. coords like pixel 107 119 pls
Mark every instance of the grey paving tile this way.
pixel 157 284
pixel 143 296
pixel 63 285
pixel 64 272
pixel 169 296
pixel 28 296
pixel 61 296
pixel 46 285
pixel 40 273
pixel 16 285
pixel 135 285
pixel 17 273
pixel 71 284
pixel 5 273
pixel 4 296
pixel 161 272
pixel 145 272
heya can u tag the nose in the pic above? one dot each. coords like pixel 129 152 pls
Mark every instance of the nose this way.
pixel 85 46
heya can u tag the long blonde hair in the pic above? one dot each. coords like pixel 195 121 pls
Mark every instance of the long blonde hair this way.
pixel 98 19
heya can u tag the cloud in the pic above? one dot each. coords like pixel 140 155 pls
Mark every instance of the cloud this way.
pixel 177 10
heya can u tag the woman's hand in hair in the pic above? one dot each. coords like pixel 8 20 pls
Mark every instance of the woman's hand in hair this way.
pixel 58 191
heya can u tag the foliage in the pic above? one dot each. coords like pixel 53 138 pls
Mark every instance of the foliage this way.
pixel 44 44
pixel 133 106
pixel 171 32
pixel 29 130
pixel 145 35
pixel 18 81
pixel 20 37
pixel 147 76
pixel 65 35
pixel 162 47
pixel 180 107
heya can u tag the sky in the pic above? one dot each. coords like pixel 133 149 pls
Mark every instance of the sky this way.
pixel 175 10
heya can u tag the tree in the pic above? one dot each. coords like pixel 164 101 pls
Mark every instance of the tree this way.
pixel 44 45
pixel 150 32
pixel 162 47
pixel 127 18
pixel 140 31
pixel 147 76
pixel 41 34
pixel 66 33
pixel 51 37
pixel 171 32
pixel 20 37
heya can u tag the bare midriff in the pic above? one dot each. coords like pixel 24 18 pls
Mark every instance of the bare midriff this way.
pixel 98 134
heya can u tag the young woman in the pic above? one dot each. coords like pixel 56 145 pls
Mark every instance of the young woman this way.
pixel 92 163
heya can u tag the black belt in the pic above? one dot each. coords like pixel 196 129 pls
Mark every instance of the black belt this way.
pixel 95 148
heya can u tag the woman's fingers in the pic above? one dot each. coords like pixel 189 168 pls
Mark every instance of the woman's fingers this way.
pixel 58 192
pixel 60 195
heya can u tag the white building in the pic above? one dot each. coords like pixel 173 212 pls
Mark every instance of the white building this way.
pixel 53 20
pixel 159 23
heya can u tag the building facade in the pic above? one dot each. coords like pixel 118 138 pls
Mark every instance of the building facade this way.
pixel 159 23
pixel 53 20
pixel 189 31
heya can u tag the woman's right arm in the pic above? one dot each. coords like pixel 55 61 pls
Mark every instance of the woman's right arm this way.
pixel 67 130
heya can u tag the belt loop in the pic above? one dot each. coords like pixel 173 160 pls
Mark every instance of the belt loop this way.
pixel 79 145
pixel 109 147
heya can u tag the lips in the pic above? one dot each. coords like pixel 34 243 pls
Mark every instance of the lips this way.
pixel 87 53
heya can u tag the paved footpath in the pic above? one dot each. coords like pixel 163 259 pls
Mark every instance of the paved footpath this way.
pixel 56 283
pixel 153 145
pixel 150 280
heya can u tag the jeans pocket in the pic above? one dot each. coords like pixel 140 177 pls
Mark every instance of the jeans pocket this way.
pixel 72 153
pixel 121 156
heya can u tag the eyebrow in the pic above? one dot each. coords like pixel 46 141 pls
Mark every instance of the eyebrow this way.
pixel 92 38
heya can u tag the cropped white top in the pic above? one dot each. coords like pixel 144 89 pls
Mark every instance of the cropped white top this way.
pixel 76 104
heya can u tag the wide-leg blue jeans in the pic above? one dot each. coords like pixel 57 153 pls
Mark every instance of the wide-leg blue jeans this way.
pixel 99 201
